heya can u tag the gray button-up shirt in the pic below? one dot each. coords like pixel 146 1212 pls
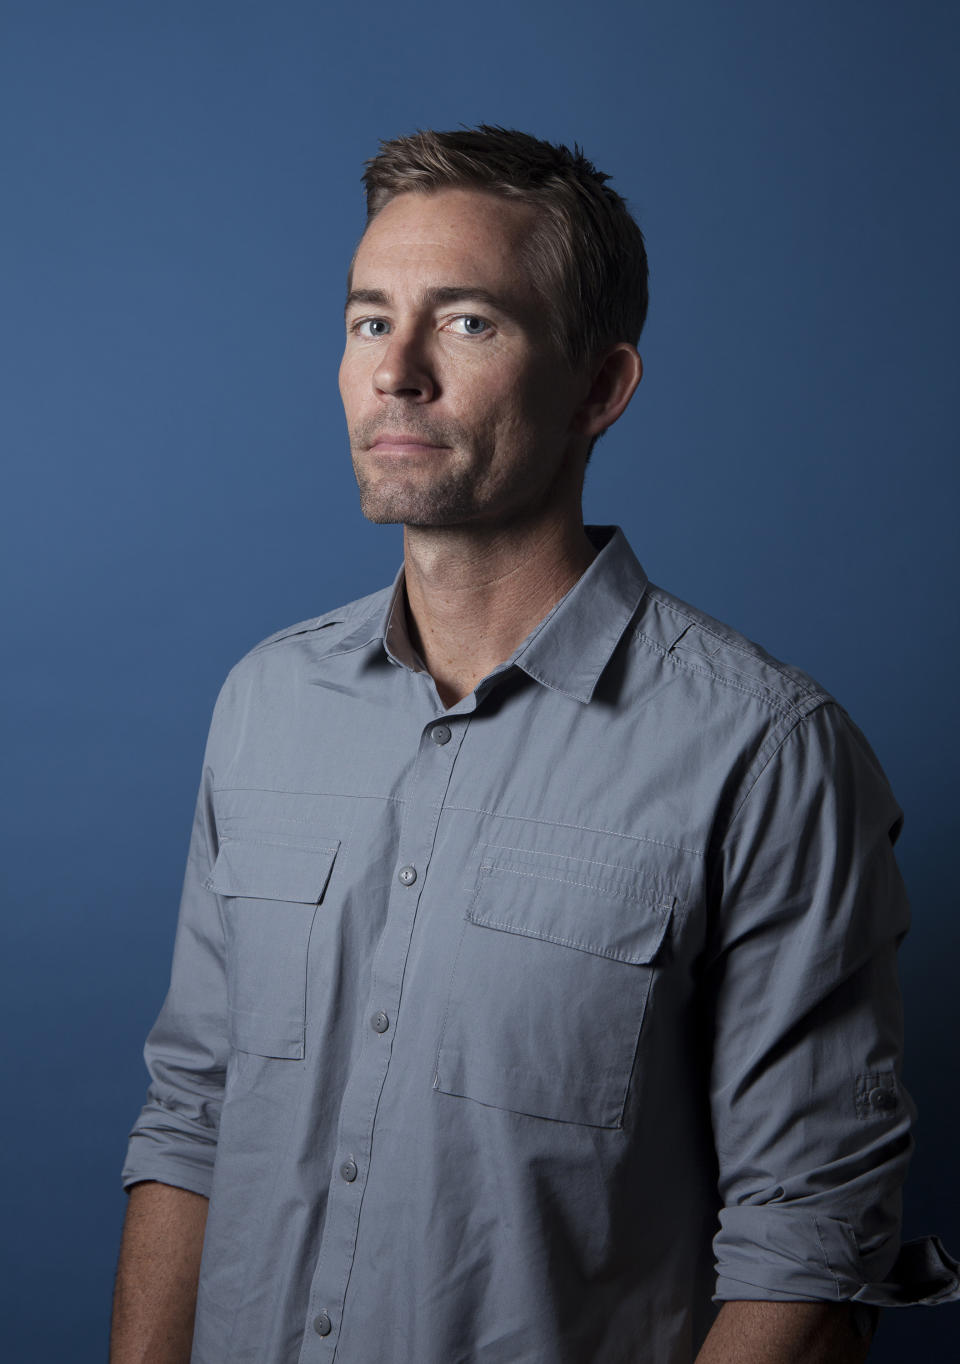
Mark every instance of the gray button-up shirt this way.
pixel 515 1031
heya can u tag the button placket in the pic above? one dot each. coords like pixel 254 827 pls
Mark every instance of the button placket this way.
pixel 361 1097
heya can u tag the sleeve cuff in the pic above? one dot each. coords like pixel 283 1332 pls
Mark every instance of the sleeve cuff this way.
pixel 178 1177
pixel 923 1274
pixel 171 1149
pixel 786 1254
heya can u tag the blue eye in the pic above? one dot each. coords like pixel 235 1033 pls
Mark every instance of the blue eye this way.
pixel 473 326
pixel 378 326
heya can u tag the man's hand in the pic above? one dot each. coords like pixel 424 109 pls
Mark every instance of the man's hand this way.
pixel 156 1291
pixel 785 1333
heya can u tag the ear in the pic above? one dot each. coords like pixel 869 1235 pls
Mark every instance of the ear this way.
pixel 614 383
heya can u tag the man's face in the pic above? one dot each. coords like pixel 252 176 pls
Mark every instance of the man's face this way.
pixel 457 402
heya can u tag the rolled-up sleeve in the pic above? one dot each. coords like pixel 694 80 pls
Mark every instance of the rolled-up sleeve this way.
pixel 174 1139
pixel 811 1122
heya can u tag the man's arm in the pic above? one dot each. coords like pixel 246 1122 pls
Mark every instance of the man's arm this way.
pixel 785 1333
pixel 811 1125
pixel 156 1290
pixel 170 1156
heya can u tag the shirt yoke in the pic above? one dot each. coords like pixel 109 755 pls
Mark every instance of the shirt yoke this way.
pixel 676 631
pixel 346 615
pixel 723 656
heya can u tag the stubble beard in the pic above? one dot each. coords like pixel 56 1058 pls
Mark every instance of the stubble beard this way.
pixel 419 496
pixel 446 500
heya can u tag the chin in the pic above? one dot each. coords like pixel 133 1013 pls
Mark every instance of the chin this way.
pixel 426 509
pixel 381 516
pixel 382 512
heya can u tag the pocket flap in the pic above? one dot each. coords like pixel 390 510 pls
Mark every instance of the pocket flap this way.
pixel 256 869
pixel 597 907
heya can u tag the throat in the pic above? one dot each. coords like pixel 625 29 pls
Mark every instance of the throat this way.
pixel 463 632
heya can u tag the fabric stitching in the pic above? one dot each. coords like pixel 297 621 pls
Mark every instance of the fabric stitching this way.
pixel 446 1006
pixel 797 721
pixel 462 809
pixel 829 1267
pixel 566 881
pixel 540 852
pixel 274 843
pixel 723 640
pixel 283 791
pixel 608 953
pixel 581 828
pixel 295 632
pixel 769 698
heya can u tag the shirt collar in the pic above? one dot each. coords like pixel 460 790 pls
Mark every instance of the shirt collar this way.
pixel 573 644
pixel 570 647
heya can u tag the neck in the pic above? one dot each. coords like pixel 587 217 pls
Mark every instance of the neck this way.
pixel 473 595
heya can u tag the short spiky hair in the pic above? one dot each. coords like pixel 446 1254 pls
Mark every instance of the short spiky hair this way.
pixel 586 255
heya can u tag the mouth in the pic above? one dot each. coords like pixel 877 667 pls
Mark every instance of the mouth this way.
pixel 403 444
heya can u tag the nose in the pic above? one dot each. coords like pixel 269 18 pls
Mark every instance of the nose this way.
pixel 404 370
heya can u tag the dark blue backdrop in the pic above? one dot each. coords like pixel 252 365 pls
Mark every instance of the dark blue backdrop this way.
pixel 180 195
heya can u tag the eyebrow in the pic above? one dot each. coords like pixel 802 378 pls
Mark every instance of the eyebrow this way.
pixel 446 293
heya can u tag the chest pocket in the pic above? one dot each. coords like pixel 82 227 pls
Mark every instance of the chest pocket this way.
pixel 550 985
pixel 272 886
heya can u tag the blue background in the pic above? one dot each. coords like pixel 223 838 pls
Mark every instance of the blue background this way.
pixel 180 196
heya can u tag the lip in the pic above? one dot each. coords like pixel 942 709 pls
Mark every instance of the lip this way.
pixel 399 441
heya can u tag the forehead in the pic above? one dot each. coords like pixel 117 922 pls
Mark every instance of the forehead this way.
pixel 445 236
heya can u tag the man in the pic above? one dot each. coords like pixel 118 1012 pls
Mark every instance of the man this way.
pixel 534 979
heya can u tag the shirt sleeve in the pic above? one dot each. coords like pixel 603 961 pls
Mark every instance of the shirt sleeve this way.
pixel 811 1123
pixel 174 1138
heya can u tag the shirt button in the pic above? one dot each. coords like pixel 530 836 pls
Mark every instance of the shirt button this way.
pixel 407 875
pixel 884 1099
pixel 348 1170
pixel 322 1324
pixel 380 1022
pixel 440 734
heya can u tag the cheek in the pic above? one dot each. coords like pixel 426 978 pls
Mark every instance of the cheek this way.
pixel 507 400
pixel 527 394
pixel 352 385
pixel 524 418
pixel 547 398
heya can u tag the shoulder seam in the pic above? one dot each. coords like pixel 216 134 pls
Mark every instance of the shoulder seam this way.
pixel 340 615
pixel 801 715
pixel 305 627
pixel 806 693
pixel 770 698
